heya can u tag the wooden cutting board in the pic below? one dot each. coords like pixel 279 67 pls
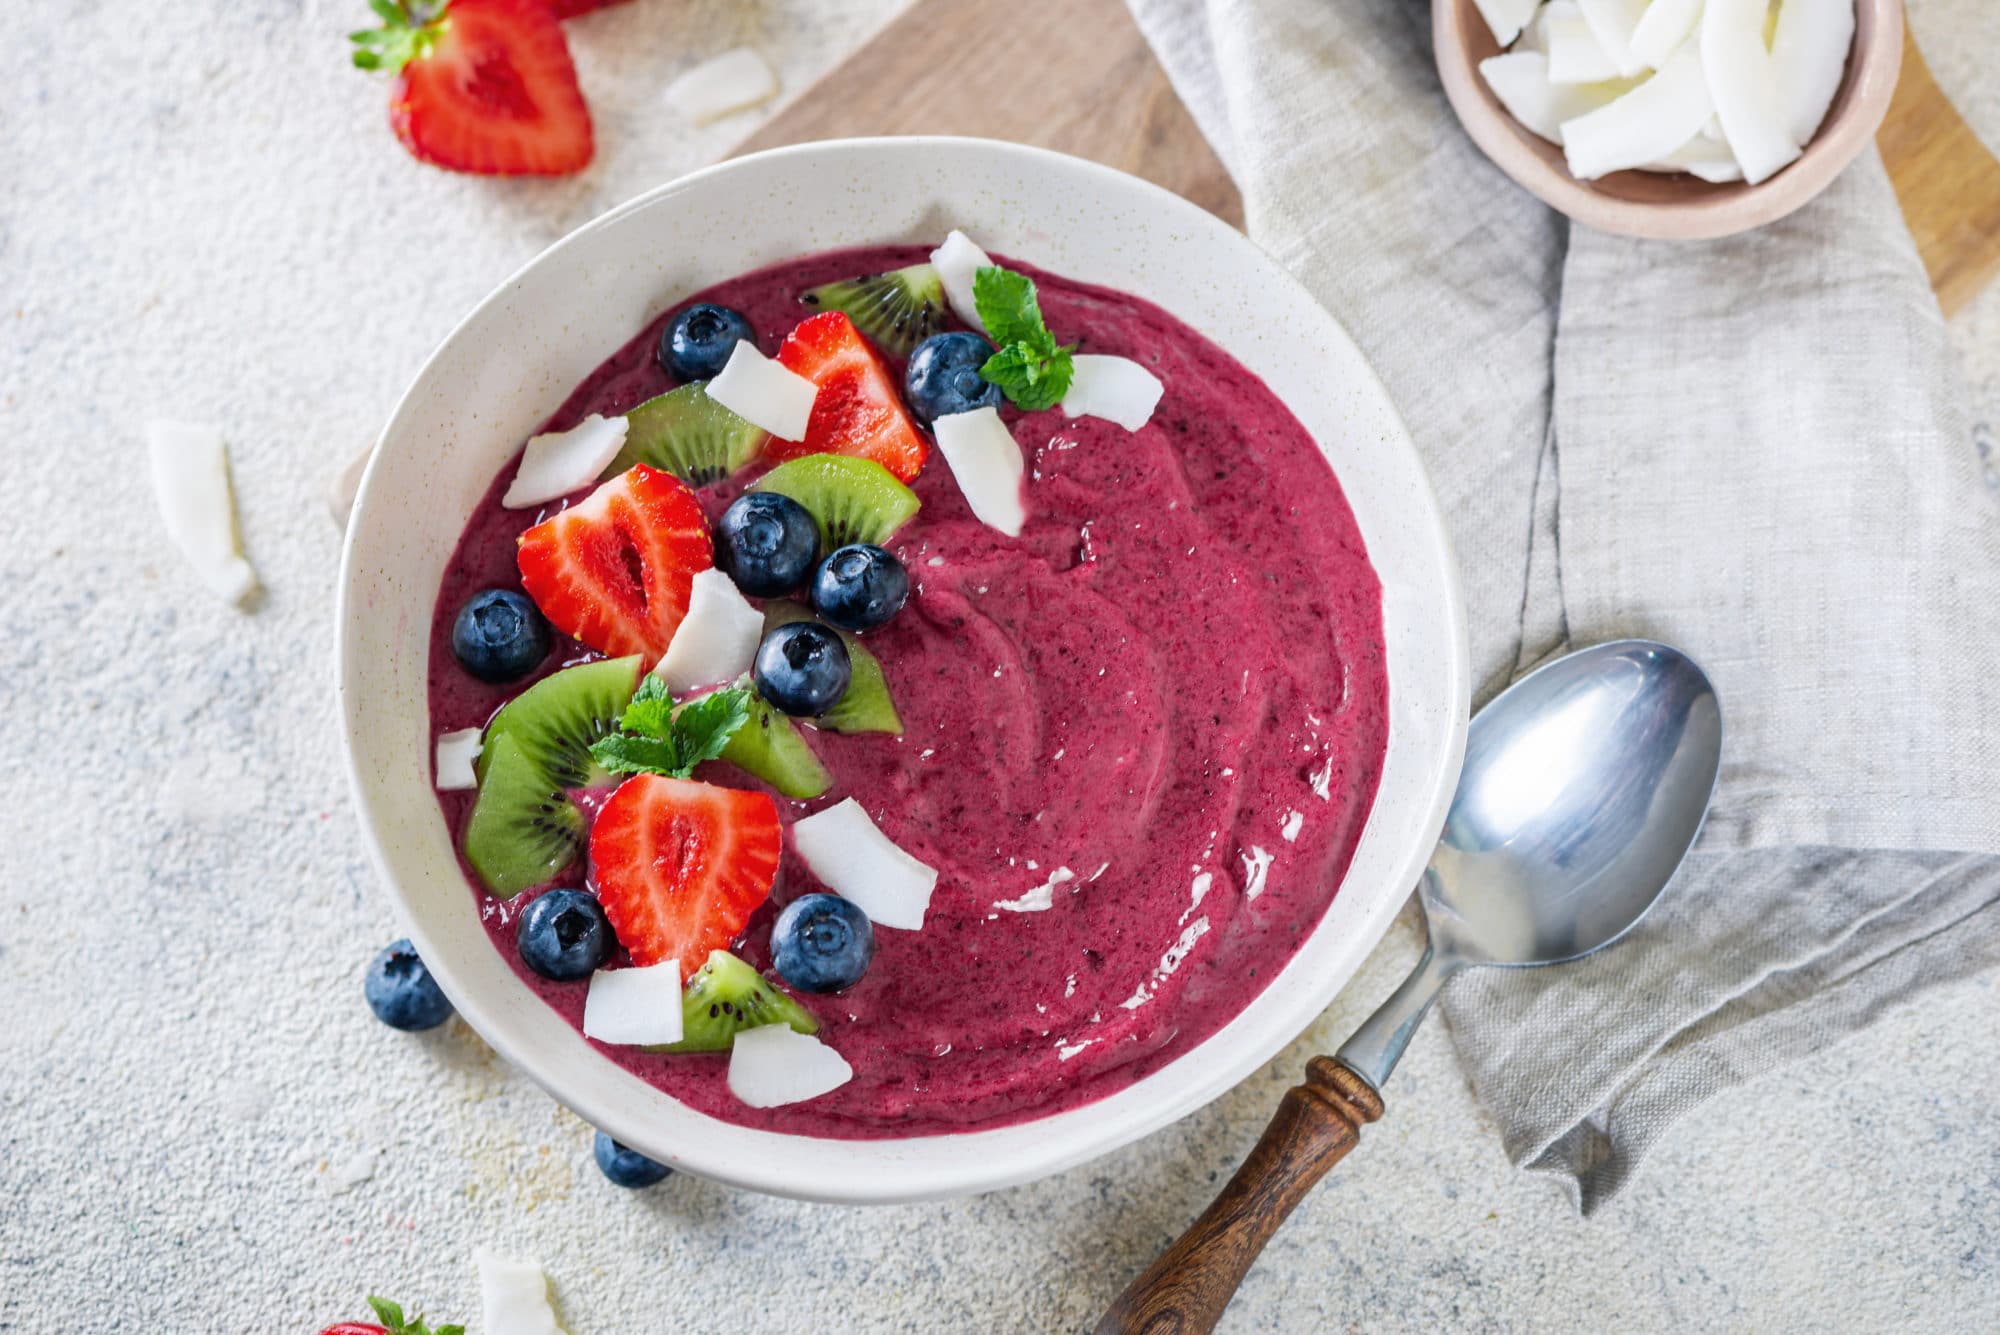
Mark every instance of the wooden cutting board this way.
pixel 1076 75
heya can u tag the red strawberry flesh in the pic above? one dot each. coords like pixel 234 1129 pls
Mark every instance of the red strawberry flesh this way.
pixel 859 410
pixel 495 94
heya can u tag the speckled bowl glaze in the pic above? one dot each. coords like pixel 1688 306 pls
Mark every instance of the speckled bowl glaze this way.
pixel 515 357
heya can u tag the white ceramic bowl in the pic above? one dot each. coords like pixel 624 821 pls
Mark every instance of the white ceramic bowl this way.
pixel 517 356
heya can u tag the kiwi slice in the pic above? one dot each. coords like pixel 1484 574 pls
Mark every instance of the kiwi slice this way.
pixel 898 309
pixel 727 996
pixel 523 829
pixel 867 706
pixel 690 435
pixel 852 500
pixel 555 721
pixel 768 747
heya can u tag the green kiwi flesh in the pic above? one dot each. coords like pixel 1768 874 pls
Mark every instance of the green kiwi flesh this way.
pixel 897 310
pixel 852 500
pixel 556 720
pixel 867 706
pixel 523 830
pixel 727 996
pixel 688 434
pixel 768 747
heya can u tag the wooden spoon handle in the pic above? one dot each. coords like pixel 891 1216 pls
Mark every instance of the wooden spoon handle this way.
pixel 1186 1290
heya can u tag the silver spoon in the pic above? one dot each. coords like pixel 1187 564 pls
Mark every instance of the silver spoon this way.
pixel 1584 786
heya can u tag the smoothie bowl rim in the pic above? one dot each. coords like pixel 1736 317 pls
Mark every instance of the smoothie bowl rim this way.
pixel 608 274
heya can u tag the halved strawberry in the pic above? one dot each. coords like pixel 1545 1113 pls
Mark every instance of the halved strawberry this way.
pixel 616 570
pixel 680 866
pixel 569 9
pixel 858 410
pixel 482 86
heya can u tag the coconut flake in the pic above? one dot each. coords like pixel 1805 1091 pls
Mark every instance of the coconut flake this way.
pixel 986 463
pixel 850 854
pixel 1613 23
pixel 1520 79
pixel 774 1064
pixel 1745 87
pixel 1575 55
pixel 1643 126
pixel 764 393
pixel 1810 52
pixel 634 1005
pixel 957 262
pixel 345 485
pixel 455 753
pixel 557 463
pixel 1117 389
pixel 1663 27
pixel 191 478
pixel 732 81
pixel 716 640
pixel 514 1296
pixel 1506 17
pixel 1701 156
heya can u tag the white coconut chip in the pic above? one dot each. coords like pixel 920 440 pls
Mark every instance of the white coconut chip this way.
pixel 1645 125
pixel 1117 389
pixel 845 849
pixel 1520 79
pixel 1810 51
pixel 514 1296
pixel 634 1005
pixel 557 463
pixel 1613 22
pixel 456 752
pixel 1709 159
pixel 190 465
pixel 764 393
pixel 1506 17
pixel 774 1064
pixel 1744 84
pixel 1575 55
pixel 733 81
pixel 986 463
pixel 346 485
pixel 957 261
pixel 1662 28
pixel 716 640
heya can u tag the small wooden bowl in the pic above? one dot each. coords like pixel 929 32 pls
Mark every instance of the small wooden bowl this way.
pixel 1659 205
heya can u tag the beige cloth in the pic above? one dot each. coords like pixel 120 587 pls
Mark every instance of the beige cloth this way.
pixel 1754 449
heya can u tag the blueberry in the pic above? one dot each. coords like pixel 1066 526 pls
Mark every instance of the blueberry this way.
pixel 802 668
pixel 822 943
pixel 766 543
pixel 943 376
pixel 860 587
pixel 401 991
pixel 499 635
pixel 625 1167
pixel 697 342
pixel 564 935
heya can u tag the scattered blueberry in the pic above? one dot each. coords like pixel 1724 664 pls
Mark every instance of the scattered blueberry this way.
pixel 563 935
pixel 822 943
pixel 401 991
pixel 802 668
pixel 860 587
pixel 697 342
pixel 499 635
pixel 627 1168
pixel 943 376
pixel 766 543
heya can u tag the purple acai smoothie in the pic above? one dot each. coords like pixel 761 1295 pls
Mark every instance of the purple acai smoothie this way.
pixel 1141 739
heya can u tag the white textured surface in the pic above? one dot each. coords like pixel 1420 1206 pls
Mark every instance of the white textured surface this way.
pixel 205 217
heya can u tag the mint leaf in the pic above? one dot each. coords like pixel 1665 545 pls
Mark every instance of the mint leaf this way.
pixel 1027 366
pixel 623 753
pixel 453 1329
pixel 388 1313
pixel 703 727
pixel 650 713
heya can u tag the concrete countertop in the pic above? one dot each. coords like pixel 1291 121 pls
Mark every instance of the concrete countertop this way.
pixel 201 1126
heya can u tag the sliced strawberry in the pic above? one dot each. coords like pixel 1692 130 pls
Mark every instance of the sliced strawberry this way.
pixel 356 1328
pixel 616 570
pixel 858 410
pixel 569 9
pixel 482 86
pixel 680 866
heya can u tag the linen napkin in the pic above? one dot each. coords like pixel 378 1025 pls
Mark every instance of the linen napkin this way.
pixel 1754 449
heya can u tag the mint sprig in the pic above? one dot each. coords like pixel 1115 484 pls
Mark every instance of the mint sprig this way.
pixel 1030 368
pixel 410 28
pixel 656 738
pixel 390 1315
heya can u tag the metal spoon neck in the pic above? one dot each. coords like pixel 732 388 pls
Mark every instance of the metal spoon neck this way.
pixel 1376 1047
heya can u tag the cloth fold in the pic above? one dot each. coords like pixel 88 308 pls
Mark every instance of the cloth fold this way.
pixel 1752 448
